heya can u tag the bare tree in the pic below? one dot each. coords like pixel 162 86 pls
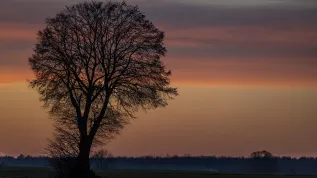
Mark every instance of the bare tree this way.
pixel 64 144
pixel 261 154
pixel 66 137
pixel 101 157
pixel 102 153
pixel 101 61
pixel 263 162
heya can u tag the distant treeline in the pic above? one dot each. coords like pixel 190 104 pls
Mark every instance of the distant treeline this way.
pixel 172 157
pixel 285 165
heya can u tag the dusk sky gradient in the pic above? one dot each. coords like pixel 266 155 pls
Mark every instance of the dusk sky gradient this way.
pixel 246 72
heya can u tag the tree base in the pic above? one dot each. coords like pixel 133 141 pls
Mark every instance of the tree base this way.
pixel 81 174
pixel 69 168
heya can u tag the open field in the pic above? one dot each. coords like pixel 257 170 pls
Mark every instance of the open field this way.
pixel 47 173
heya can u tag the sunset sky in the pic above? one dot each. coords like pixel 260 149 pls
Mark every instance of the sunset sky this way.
pixel 246 72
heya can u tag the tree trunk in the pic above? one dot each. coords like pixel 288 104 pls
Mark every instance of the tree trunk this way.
pixel 82 161
pixel 83 158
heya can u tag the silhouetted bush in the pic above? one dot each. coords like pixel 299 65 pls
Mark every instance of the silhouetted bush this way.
pixel 65 167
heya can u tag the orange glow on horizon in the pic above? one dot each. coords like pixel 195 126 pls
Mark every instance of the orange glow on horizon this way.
pixel 11 78
pixel 289 84
pixel 19 31
pixel 273 34
pixel 246 77
pixel 7 78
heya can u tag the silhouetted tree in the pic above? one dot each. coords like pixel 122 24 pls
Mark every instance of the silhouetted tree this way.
pixel 102 157
pixel 101 63
pixel 66 137
pixel 263 162
pixel 64 144
pixel 261 154
pixel 21 156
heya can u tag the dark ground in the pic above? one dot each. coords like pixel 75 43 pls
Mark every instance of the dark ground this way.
pixel 48 173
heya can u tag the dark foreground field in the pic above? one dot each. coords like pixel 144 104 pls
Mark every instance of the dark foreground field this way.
pixel 47 173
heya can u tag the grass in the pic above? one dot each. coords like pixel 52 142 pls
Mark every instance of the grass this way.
pixel 32 172
pixel 48 173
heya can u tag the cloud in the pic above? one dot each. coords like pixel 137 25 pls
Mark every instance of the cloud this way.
pixel 243 41
pixel 199 29
pixel 27 12
pixel 233 71
pixel 182 15
pixel 255 3
pixel 235 37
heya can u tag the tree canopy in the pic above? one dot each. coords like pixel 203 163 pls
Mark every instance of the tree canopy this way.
pixel 96 64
